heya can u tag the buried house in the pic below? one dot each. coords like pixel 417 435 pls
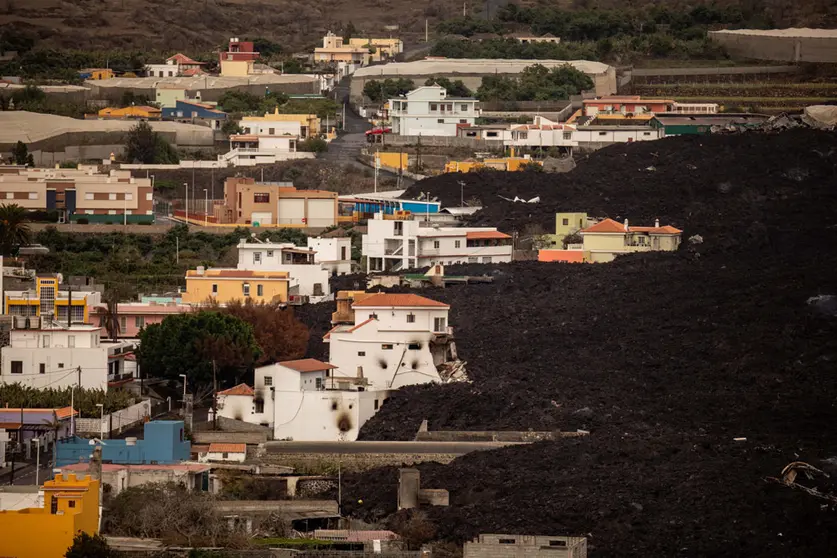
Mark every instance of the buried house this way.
pixel 380 342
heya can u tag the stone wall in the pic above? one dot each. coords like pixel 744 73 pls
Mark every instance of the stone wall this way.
pixel 799 48
pixel 328 463
pixel 211 437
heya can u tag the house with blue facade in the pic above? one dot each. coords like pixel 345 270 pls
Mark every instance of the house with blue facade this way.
pixel 194 112
pixel 163 442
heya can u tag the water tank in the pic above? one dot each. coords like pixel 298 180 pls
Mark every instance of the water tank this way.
pixel 35 323
pixel 20 322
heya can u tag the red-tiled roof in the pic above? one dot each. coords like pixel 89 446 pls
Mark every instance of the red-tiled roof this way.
pixel 486 235
pixel 227 448
pixel 383 300
pixel 183 59
pixel 65 412
pixel 307 365
pixel 360 325
pixel 240 389
pixel 611 226
pixel 192 72
pixel 569 256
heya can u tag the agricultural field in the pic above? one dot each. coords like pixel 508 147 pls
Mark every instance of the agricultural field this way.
pixel 767 97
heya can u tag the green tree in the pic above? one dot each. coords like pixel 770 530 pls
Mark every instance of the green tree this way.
pixel 313 145
pixel 266 48
pixel 14 230
pixel 535 83
pixel 145 145
pixel 20 154
pixel 90 546
pixel 380 91
pixel 190 344
pixel 454 88
pixel 349 31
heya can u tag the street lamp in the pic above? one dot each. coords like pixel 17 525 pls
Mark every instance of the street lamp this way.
pixel 206 207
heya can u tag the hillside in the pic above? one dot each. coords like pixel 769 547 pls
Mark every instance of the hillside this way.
pixel 199 26
pixel 664 358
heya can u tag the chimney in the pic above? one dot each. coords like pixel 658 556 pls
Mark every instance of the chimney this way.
pixel 656 223
pixel 360 371
pixel 626 225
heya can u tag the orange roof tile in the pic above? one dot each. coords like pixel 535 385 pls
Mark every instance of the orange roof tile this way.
pixel 569 256
pixel 238 274
pixel 486 235
pixel 183 59
pixel 382 300
pixel 65 412
pixel 611 226
pixel 227 448
pixel 307 365
pixel 240 389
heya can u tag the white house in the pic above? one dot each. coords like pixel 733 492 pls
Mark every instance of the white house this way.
pixel 303 400
pixel 307 278
pixel 586 135
pixel 392 245
pixel 264 141
pixel 396 340
pixel 224 453
pixel 428 111
pixel 542 132
pixel 63 356
pixel 177 65
pixel 334 254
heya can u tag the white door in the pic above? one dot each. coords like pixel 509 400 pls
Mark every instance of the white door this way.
pixel 261 218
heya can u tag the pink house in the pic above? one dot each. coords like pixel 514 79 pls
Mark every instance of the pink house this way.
pixel 133 316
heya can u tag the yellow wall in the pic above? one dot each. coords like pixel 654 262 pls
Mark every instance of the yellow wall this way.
pixel 236 68
pixel 135 112
pixel 101 74
pixel 391 160
pixel 604 247
pixel 199 288
pixel 383 47
pixel 575 222
pixel 512 164
pixel 38 533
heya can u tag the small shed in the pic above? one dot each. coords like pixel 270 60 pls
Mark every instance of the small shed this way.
pixel 225 453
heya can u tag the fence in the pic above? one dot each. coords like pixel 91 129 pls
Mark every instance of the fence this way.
pixel 115 422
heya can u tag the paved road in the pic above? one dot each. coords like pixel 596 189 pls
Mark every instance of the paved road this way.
pixel 455 448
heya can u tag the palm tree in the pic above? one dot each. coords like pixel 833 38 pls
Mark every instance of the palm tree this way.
pixel 14 231
pixel 110 320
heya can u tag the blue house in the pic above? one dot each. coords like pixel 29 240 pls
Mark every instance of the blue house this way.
pixel 371 204
pixel 194 112
pixel 163 443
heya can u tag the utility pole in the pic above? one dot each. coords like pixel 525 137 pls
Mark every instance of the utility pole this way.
pixel 37 461
pixel 426 31
pixel 214 398
pixel 69 305
pixel 177 249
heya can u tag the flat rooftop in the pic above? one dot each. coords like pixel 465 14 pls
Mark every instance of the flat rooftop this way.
pixel 431 66
pixel 801 32
pixel 201 82
pixel 19 125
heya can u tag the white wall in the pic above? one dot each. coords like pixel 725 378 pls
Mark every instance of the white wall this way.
pixel 319 415
pixel 21 500
pixel 240 407
pixel 60 365
pixel 272 128
pixel 282 144
pixel 584 135
pixel 329 249
pixel 216 456
pixel 385 368
pixel 395 319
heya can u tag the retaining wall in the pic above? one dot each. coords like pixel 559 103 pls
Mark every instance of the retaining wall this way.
pixel 778 47
pixel 115 422
pixel 492 436
pixel 328 463
pixel 253 438
pixel 442 141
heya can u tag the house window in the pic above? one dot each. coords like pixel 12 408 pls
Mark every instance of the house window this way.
pixel 506 541
pixel 71 341
pixel 245 288
pixel 271 131
pixel 88 196
pixel 17 367
pixel 319 383
pixel 486 259
pixel 438 324
pixel 376 404
pixel 602 133
pixel 270 253
pixel 123 323
pixel 568 135
pixel 149 196
pixel 259 290
pixel 139 321
pixel 225 455
pixel 457 243
pixel 60 365
pixel 565 222
pixel 492 134
pixel 557 543
pixel 440 121
pixel 414 346
pixel 53 506
pixel 46 341
pixel 411 318
pixel 373 316
pixel 268 380
pixel 257 257
pixel 33 195
pixel 436 244
pixel 463 121
pixel 361 353
pixel 463 107
pixel 472 259
pixel 433 106
pixel 111 197
pixel 258 406
pixel 215 288
pixel 42 368
pixel 646 133
pixel 387 346
pixel 129 197
pixel 71 503
pixel 262 197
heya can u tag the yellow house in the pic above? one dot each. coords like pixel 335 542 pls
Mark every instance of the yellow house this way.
pixel 226 285
pixel 71 504
pixel 567 224
pixel 47 299
pixel 132 112
pixel 510 164
pixel 607 239
pixel 309 123
pixel 384 48
pixel 97 73
pixel 392 160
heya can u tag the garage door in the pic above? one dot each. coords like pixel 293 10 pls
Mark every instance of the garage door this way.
pixel 291 211
pixel 261 218
pixel 321 213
